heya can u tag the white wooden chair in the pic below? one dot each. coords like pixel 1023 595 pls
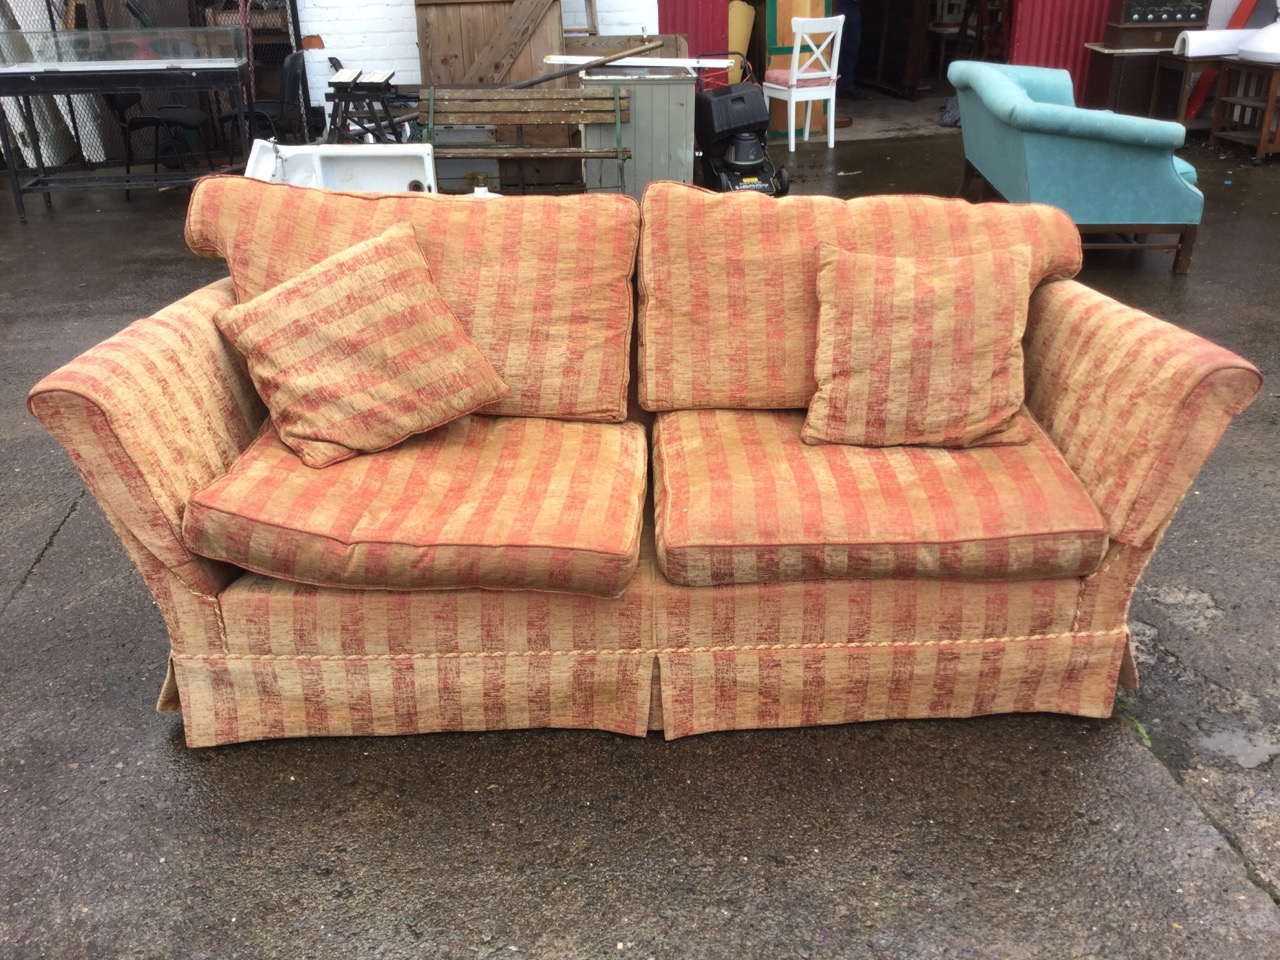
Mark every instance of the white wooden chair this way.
pixel 812 75
pixel 948 24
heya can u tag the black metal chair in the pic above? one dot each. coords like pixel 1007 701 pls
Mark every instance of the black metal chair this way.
pixel 282 118
pixel 169 120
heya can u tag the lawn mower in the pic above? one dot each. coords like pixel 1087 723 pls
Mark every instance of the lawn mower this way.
pixel 730 123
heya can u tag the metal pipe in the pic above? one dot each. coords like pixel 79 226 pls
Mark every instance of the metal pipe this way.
pixel 589 65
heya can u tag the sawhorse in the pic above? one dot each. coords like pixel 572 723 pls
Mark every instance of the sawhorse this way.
pixel 362 100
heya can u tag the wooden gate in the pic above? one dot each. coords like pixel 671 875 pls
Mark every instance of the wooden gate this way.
pixel 494 42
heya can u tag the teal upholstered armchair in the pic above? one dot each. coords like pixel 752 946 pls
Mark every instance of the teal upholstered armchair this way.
pixel 1111 173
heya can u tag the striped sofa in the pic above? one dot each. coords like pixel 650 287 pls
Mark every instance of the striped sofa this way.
pixel 635 539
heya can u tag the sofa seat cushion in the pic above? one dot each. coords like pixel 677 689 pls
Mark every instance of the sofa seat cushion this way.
pixel 739 498
pixel 492 502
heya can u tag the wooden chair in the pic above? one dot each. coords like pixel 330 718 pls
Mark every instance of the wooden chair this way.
pixel 815 58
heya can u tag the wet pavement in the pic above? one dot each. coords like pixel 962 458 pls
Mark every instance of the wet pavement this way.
pixel 1153 834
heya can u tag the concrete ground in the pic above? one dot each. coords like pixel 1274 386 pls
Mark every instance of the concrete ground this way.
pixel 1153 834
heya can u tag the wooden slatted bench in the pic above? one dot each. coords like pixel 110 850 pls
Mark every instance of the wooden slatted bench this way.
pixel 520 108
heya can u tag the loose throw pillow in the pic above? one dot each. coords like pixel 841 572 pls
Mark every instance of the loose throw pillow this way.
pixel 920 351
pixel 359 352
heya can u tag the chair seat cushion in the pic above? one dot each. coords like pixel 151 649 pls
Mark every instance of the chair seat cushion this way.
pixel 1185 170
pixel 492 502
pixel 781 76
pixel 740 499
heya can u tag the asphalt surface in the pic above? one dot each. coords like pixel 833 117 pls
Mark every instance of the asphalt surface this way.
pixel 1153 834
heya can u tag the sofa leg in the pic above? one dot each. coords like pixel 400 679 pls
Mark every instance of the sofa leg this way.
pixel 1186 245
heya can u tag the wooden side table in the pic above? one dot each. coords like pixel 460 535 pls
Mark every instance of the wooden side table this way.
pixel 1164 106
pixel 1246 107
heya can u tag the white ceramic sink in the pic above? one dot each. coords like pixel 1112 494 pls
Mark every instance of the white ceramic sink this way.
pixel 363 167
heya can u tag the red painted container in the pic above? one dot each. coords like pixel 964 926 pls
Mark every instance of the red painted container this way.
pixel 704 22
pixel 1052 33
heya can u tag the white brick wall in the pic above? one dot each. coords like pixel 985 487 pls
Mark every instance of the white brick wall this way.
pixel 614 16
pixel 383 35
pixel 377 35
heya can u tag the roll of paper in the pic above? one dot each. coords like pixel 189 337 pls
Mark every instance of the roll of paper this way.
pixel 1211 43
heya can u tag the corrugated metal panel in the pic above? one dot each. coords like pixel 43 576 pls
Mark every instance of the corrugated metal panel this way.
pixel 704 22
pixel 1052 33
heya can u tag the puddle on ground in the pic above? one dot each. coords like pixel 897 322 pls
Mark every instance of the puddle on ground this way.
pixel 1250 751
pixel 1193 609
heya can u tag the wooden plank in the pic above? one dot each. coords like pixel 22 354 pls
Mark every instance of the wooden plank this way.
pixel 530 95
pixel 445 3
pixel 493 62
pixel 423 16
pixel 673 45
pixel 444 105
pixel 513 152
pixel 564 60
pixel 501 107
pixel 549 108
pixel 533 117
pixel 472 109
pixel 535 106
pixel 440 43
pixel 547 35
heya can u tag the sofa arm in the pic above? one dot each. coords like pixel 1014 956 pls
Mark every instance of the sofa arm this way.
pixel 1027 99
pixel 1136 405
pixel 151 415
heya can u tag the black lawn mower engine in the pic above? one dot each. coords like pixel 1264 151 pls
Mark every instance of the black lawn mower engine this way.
pixel 730 124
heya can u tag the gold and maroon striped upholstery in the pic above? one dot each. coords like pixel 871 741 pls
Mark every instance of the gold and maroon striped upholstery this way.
pixel 842 651
pixel 509 503
pixel 1136 405
pixel 359 352
pixel 739 498
pixel 729 282
pixel 160 410
pixel 150 416
pixel 296 660
pixel 541 284
pixel 301 660
pixel 919 351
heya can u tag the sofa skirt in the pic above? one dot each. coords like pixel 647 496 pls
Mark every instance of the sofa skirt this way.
pixel 295 660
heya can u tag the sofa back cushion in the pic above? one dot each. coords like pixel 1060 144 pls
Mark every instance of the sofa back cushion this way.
pixel 541 284
pixel 729 282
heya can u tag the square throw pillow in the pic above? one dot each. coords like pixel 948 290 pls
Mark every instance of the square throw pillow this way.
pixel 359 352
pixel 920 351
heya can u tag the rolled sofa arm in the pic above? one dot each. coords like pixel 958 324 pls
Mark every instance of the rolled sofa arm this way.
pixel 151 415
pixel 1136 405
pixel 1004 92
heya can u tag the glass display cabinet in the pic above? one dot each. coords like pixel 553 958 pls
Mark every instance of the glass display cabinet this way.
pixel 116 51
pixel 106 63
